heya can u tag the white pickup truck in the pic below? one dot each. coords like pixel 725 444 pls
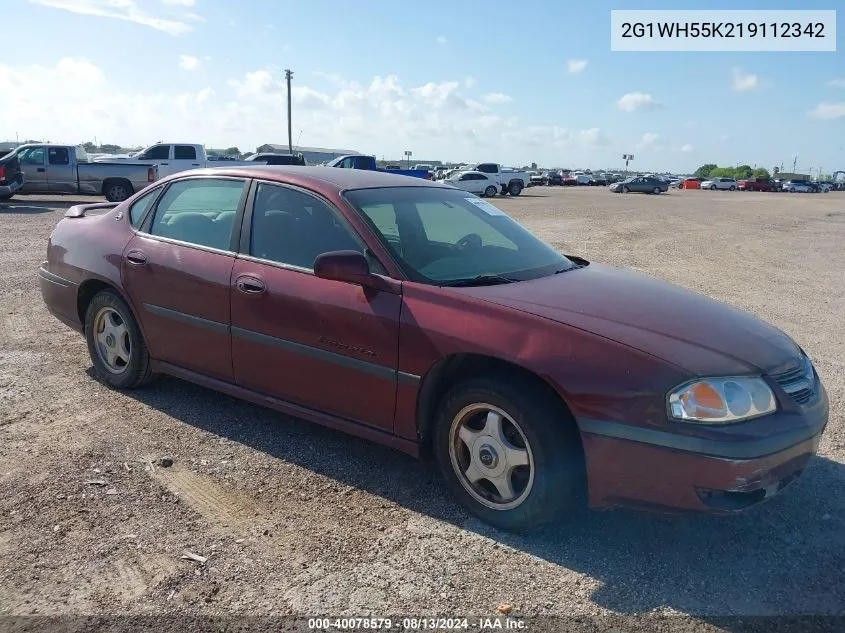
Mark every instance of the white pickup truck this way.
pixel 175 157
pixel 509 180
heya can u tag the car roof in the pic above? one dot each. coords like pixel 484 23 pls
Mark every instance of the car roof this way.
pixel 315 176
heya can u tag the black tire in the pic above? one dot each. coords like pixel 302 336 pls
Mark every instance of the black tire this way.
pixel 656 190
pixel 733 188
pixel 137 371
pixel 625 190
pixel 712 187
pixel 490 192
pixel 559 482
pixel 515 188
pixel 7 197
pixel 117 190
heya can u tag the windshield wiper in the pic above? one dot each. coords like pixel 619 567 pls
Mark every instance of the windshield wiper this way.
pixel 481 280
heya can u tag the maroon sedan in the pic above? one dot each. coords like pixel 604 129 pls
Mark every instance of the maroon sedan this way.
pixel 420 316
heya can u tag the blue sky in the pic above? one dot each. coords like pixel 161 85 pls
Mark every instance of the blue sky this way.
pixel 457 81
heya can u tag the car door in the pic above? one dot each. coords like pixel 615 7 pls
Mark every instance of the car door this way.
pixel 61 171
pixel 33 161
pixel 184 157
pixel 323 344
pixel 177 268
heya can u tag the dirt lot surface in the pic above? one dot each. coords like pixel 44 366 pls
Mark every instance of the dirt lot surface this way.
pixel 296 519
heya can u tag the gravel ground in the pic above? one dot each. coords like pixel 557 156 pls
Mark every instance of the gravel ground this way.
pixel 296 519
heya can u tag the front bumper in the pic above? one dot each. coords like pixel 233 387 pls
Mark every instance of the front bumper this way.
pixel 658 470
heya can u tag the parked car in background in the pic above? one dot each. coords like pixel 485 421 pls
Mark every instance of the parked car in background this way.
pixel 600 180
pixel 11 175
pixel 755 183
pixel 726 184
pixel 509 180
pixel 582 179
pixel 65 169
pixel 421 317
pixel 640 184
pixel 172 158
pixel 798 186
pixel 537 179
pixel 675 183
pixel 823 186
pixel 475 182
pixel 569 180
pixel 369 163
pixel 690 183
pixel 278 159
pixel 553 178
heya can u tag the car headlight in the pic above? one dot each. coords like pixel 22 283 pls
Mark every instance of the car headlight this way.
pixel 722 400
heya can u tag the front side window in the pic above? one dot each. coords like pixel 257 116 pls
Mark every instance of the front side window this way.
pixel 199 211
pixel 156 152
pixel 292 227
pixel 444 236
pixel 32 156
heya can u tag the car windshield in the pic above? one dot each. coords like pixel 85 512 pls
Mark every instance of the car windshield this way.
pixel 444 236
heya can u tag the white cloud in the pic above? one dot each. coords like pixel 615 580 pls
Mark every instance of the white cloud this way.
pixel 649 139
pixel 118 9
pixel 744 82
pixel 686 148
pixel 497 97
pixel 826 110
pixel 438 119
pixel 180 3
pixel 634 101
pixel 576 65
pixel 440 39
pixel 470 82
pixel 836 83
pixel 188 62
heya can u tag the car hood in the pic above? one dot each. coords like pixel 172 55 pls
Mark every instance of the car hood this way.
pixel 700 335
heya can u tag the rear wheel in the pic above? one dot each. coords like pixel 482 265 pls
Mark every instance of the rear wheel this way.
pixel 733 188
pixel 117 190
pixel 117 348
pixel 656 190
pixel 490 191
pixel 515 188
pixel 509 452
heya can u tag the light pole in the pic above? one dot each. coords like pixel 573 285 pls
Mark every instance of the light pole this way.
pixel 288 76
pixel 627 158
pixel 408 155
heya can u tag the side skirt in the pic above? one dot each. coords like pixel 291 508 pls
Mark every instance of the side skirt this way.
pixel 288 408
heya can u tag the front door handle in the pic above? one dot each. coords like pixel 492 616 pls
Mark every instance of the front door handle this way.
pixel 136 258
pixel 41 169
pixel 250 285
pixel 164 163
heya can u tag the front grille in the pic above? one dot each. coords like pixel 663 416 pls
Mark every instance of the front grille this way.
pixel 796 384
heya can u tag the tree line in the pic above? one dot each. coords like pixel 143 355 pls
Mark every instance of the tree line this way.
pixel 741 172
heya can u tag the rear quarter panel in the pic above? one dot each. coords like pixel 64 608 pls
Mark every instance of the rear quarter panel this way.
pixel 87 248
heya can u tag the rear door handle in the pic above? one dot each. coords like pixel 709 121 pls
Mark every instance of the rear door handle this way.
pixel 136 258
pixel 41 169
pixel 250 285
pixel 164 163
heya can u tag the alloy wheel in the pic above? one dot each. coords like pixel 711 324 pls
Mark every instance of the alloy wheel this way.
pixel 111 339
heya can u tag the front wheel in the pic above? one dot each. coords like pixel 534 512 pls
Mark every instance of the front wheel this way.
pixel 625 190
pixel 712 187
pixel 117 348
pixel 509 452
pixel 490 192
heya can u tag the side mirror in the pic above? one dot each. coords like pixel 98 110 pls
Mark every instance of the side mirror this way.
pixel 351 267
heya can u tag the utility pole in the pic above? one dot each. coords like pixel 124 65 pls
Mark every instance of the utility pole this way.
pixel 288 75
pixel 794 163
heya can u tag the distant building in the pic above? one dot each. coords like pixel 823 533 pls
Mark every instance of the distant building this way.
pixel 313 155
pixel 8 146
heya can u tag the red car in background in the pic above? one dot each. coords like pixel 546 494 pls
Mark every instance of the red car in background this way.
pixel 755 184
pixel 417 315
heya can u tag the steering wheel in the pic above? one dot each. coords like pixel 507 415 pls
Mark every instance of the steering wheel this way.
pixel 470 241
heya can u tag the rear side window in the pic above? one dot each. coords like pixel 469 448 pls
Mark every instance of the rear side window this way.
pixel 139 208
pixel 199 211
pixel 58 156
pixel 185 152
